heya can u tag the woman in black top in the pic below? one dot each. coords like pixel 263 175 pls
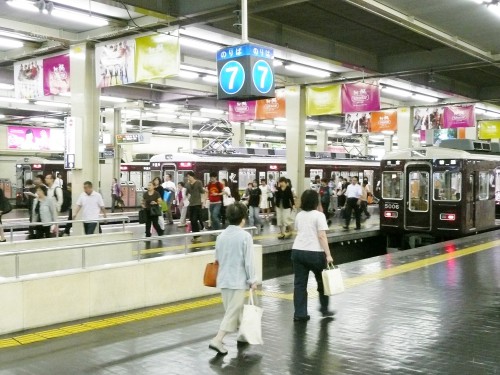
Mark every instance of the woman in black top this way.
pixel 150 199
pixel 284 204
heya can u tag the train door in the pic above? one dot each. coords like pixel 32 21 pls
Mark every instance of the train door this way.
pixel 471 201
pixel 418 203
pixel 171 170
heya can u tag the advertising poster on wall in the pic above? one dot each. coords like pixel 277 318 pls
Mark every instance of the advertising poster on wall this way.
pixel 115 62
pixel 383 121
pixel 360 97
pixel 356 123
pixel 28 79
pixel 242 111
pixel 323 100
pixel 28 138
pixel 459 116
pixel 488 129
pixel 157 56
pixel 56 75
pixel 425 118
pixel 272 108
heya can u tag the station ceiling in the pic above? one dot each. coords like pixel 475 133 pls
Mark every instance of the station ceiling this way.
pixel 450 46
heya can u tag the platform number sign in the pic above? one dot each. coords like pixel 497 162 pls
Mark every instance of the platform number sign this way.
pixel 245 72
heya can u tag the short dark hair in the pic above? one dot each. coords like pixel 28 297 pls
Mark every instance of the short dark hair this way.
pixel 309 200
pixel 87 183
pixel 43 188
pixel 262 180
pixel 190 173
pixel 182 183
pixel 356 177
pixel 235 213
pixel 50 175
pixel 317 176
pixel 29 182
pixel 213 174
pixel 282 179
pixel 324 180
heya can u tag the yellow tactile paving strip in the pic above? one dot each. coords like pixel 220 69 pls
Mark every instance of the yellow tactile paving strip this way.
pixel 163 311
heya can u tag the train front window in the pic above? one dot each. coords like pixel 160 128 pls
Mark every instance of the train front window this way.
pixel 419 191
pixel 392 185
pixel 447 186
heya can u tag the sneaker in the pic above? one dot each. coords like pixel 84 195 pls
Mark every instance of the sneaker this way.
pixel 345 227
pixel 218 347
pixel 327 313
pixel 301 318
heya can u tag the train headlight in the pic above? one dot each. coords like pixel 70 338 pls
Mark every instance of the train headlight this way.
pixel 447 217
pixel 391 214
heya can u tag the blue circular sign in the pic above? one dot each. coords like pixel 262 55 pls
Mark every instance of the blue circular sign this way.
pixel 232 77
pixel 262 75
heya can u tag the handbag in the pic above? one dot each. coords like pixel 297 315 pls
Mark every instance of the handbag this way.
pixel 155 210
pixel 229 201
pixel 210 276
pixel 164 206
pixel 332 280
pixel 6 206
pixel 142 216
pixel 251 323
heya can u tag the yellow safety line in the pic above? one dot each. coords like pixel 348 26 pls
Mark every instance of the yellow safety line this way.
pixel 168 310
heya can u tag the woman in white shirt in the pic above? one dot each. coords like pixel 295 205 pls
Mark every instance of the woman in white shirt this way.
pixel 310 252
pixel 227 199
pixel 264 200
pixel 182 202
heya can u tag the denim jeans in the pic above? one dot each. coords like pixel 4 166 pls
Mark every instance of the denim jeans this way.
pixel 215 215
pixel 303 263
pixel 253 216
pixel 89 228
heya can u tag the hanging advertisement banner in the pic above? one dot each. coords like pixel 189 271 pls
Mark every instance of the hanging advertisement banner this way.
pixel 425 118
pixel 157 56
pixel 459 116
pixel 360 97
pixel 383 121
pixel 488 129
pixel 28 79
pixel 115 62
pixel 28 138
pixel 242 111
pixel 272 108
pixel 56 75
pixel 323 100
pixel 356 123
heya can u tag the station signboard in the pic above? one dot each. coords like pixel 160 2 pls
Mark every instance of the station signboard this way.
pixel 245 72
pixel 133 138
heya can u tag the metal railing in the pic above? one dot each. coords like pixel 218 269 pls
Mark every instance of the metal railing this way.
pixel 83 247
pixel 11 226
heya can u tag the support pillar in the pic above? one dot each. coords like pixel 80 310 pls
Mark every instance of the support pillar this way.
pixel 296 136
pixel 117 129
pixel 405 127
pixel 388 143
pixel 363 145
pixel 239 139
pixel 85 105
pixel 322 140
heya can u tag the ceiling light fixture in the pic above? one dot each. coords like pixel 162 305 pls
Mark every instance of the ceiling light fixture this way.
pixel 10 43
pixel 188 74
pixel 13 100
pixel 199 44
pixel 307 70
pixel 210 79
pixel 47 120
pixel 52 104
pixel 28 6
pixel 425 98
pixel 113 99
pixel 213 111
pixel 397 92
pixel 80 17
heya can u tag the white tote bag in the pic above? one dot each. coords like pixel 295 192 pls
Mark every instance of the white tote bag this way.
pixel 332 281
pixel 251 323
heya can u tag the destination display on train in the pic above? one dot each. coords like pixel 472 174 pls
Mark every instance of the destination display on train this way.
pixel 245 72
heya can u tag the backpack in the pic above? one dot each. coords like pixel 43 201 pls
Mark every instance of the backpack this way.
pixel 66 203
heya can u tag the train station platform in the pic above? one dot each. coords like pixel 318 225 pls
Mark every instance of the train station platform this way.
pixel 431 310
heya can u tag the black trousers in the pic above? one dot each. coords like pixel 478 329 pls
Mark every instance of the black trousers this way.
pixel 153 220
pixel 195 218
pixel 352 204
pixel 42 231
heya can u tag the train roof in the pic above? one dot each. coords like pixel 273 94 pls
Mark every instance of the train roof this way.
pixel 194 158
pixel 431 153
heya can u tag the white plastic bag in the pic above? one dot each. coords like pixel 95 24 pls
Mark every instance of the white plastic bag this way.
pixel 332 280
pixel 161 222
pixel 251 323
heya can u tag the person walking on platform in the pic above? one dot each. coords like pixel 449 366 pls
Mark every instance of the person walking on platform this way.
pixel 116 195
pixel 324 193
pixel 215 192
pixel 353 195
pixel 44 211
pixel 284 205
pixel 5 207
pixel 68 226
pixel 234 252
pixel 264 200
pixel 310 253
pixel 169 187
pixel 182 202
pixel 254 199
pixel 195 190
pixel 91 204
pixel 150 199
pixel 365 190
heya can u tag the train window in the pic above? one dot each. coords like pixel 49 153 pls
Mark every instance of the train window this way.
pixel 447 186
pixel 484 184
pixel 245 176
pixel 392 185
pixel 419 191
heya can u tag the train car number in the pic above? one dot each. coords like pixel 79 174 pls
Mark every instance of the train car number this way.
pixel 391 206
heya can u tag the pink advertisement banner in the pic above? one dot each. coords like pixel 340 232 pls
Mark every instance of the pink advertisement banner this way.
pixel 459 116
pixel 56 75
pixel 28 138
pixel 242 111
pixel 360 97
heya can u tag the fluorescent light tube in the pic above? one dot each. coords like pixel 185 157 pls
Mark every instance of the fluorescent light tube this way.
pixel 188 74
pixel 397 92
pixel 210 79
pixel 424 98
pixel 10 43
pixel 213 111
pixel 52 104
pixel 79 17
pixel 23 5
pixel 199 45
pixel 307 70
pixel 113 99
